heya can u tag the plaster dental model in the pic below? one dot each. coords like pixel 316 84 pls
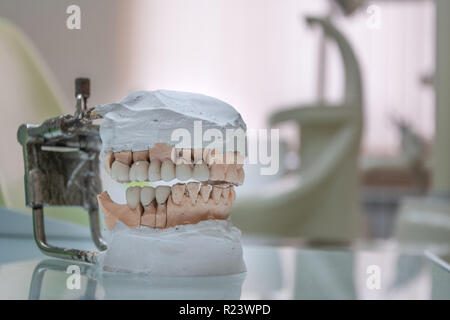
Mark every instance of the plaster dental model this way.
pixel 176 218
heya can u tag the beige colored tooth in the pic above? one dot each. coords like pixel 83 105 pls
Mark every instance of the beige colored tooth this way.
pixel 113 212
pixel 108 159
pixel 216 193
pixel 183 172
pixel 161 194
pixel 149 217
pixel 133 197
pixel 233 194
pixel 205 191
pixel 126 156
pixel 217 172
pixel 147 195
pixel 231 174
pixel 240 159
pixel 184 156
pixel 201 172
pixel 120 172
pixel 205 155
pixel 161 216
pixel 197 155
pixel 241 176
pixel 178 192
pixel 160 151
pixel 139 171
pixel 193 189
pixel 154 170
pixel 140 156
pixel 167 170
pixel 215 157
pixel 226 193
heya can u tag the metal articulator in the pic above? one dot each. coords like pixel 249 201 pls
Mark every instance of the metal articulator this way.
pixel 61 159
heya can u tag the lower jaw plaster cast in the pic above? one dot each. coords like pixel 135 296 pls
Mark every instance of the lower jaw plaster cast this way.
pixel 179 224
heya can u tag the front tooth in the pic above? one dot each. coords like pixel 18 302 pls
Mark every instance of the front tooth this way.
pixel 201 172
pixel 217 172
pixel 184 156
pixel 216 194
pixel 167 170
pixel 178 191
pixel 154 170
pixel 205 191
pixel 161 194
pixel 193 189
pixel 108 159
pixel 120 171
pixel 133 197
pixel 183 172
pixel 139 170
pixel 198 156
pixel 147 195
pixel 240 159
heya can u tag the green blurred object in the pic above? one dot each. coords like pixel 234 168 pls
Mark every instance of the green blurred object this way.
pixel 30 94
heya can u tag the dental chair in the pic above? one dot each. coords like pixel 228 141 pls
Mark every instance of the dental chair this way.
pixel 319 201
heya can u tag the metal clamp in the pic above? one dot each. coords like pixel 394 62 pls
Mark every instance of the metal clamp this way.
pixel 61 160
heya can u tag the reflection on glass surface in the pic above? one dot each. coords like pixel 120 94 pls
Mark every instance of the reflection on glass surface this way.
pixel 273 273
pixel 50 277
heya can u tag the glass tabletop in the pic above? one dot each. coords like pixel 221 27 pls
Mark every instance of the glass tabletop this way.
pixel 282 269
pixel 273 272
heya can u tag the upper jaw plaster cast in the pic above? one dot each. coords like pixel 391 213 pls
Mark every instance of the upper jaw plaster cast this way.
pixel 181 227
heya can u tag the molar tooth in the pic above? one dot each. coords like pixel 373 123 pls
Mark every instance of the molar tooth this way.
pixel 217 172
pixel 120 171
pixel 140 171
pixel 161 194
pixel 216 194
pixel 205 191
pixel 193 189
pixel 226 192
pixel 184 156
pixel 183 172
pixel 241 176
pixel 133 197
pixel 233 193
pixel 215 157
pixel 147 195
pixel 154 170
pixel 178 193
pixel 140 156
pixel 201 172
pixel 125 156
pixel 167 170
pixel 232 174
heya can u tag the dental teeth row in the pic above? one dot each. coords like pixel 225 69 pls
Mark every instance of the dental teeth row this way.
pixel 167 171
pixel 145 195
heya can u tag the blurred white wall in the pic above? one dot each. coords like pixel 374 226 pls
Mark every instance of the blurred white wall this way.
pixel 258 55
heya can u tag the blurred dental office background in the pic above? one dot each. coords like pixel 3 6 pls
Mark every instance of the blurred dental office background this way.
pixel 352 85
pixel 257 56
